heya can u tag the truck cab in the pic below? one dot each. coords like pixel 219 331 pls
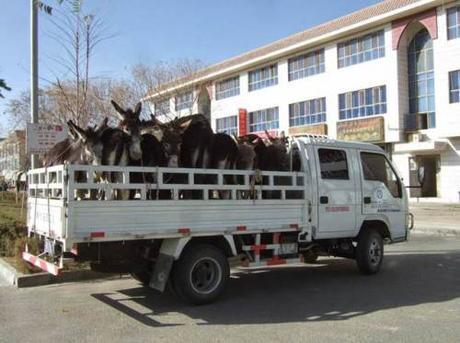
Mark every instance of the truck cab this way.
pixel 354 184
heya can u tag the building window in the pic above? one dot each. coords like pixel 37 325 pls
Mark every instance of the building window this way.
pixel 453 22
pixel 333 164
pixel 361 49
pixel 228 125
pixel 266 119
pixel 363 102
pixel 228 88
pixel 306 65
pixel 454 86
pixel 421 82
pixel 184 101
pixel 307 112
pixel 162 107
pixel 263 77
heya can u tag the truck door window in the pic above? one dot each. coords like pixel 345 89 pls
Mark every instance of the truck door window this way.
pixel 377 168
pixel 333 164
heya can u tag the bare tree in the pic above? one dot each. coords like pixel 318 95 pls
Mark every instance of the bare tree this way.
pixel 53 106
pixel 161 81
pixel 4 86
pixel 78 33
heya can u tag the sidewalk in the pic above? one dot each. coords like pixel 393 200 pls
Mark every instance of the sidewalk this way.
pixel 441 218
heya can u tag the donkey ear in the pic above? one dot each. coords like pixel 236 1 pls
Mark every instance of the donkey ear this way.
pixel 257 140
pixel 138 108
pixel 79 132
pixel 269 136
pixel 103 124
pixel 72 132
pixel 184 126
pixel 120 111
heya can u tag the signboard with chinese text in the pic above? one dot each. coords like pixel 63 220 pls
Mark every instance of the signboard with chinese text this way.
pixel 318 129
pixel 42 137
pixel 363 130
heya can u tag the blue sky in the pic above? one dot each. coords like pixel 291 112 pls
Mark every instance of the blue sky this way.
pixel 148 31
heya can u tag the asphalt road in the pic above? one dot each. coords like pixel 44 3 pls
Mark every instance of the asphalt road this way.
pixel 415 298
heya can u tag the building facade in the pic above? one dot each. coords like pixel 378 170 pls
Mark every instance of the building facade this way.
pixel 388 74
pixel 13 156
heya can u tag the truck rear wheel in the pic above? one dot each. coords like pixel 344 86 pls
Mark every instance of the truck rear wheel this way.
pixel 201 274
pixel 369 252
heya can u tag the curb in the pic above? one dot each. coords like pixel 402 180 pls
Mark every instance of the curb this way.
pixel 435 231
pixel 15 278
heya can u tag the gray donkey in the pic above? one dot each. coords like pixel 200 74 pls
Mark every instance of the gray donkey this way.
pixel 107 147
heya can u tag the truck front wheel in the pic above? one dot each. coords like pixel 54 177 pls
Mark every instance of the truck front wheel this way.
pixel 369 252
pixel 201 274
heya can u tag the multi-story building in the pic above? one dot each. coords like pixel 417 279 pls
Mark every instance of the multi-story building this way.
pixel 388 74
pixel 13 156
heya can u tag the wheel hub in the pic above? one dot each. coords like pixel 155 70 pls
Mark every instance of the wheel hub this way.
pixel 375 252
pixel 206 275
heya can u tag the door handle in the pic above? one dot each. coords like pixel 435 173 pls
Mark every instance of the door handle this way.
pixel 367 200
pixel 323 199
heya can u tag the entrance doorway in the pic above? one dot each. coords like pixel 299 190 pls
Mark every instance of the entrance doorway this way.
pixel 423 174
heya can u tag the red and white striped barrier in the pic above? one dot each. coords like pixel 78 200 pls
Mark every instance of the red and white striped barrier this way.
pixel 41 263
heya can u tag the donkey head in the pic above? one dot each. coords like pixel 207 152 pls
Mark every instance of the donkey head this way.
pixel 90 140
pixel 170 136
pixel 130 123
pixel 278 151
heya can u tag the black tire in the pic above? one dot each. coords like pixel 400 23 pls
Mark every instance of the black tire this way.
pixel 201 274
pixel 369 252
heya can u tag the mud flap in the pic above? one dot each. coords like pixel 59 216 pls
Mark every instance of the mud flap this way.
pixel 161 270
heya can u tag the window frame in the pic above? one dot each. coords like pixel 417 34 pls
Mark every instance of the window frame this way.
pixel 263 77
pixel 183 104
pixel 398 179
pixel 353 51
pixel 232 130
pixel 302 67
pixel 456 26
pixel 454 93
pixel 347 178
pixel 310 112
pixel 266 124
pixel 363 103
pixel 158 106
pixel 227 92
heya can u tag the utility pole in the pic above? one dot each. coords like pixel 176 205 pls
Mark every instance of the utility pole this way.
pixel 34 70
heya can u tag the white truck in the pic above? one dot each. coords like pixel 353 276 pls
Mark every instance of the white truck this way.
pixel 346 201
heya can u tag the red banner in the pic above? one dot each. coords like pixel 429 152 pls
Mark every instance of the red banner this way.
pixel 243 121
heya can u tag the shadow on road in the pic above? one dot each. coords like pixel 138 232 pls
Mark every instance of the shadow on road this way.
pixel 330 290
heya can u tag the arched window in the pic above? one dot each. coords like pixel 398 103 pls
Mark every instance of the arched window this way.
pixel 421 79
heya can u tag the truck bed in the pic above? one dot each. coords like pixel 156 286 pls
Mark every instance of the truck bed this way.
pixel 60 206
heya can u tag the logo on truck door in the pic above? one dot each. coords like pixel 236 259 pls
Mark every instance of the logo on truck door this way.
pixel 383 203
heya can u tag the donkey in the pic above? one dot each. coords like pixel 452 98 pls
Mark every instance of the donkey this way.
pixel 70 151
pixel 190 143
pixel 275 156
pixel 144 149
pixel 109 146
pixel 130 123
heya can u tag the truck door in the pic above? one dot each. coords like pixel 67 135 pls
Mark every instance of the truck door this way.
pixel 336 192
pixel 382 191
